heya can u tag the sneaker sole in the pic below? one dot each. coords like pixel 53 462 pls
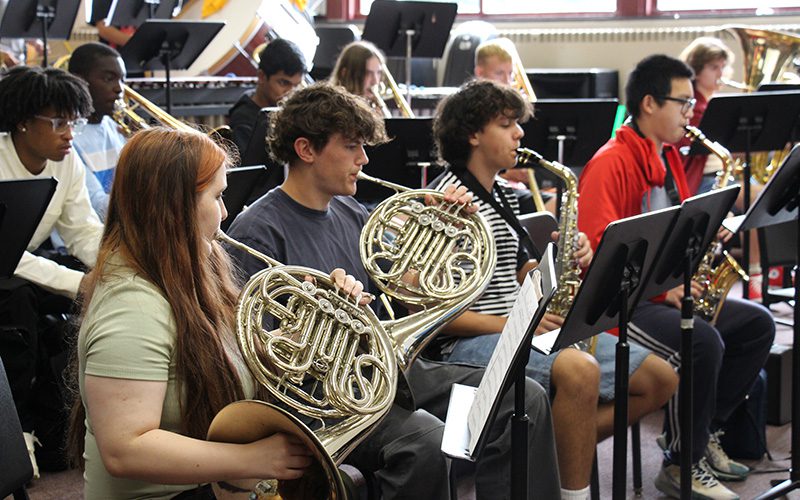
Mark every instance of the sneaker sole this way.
pixel 725 476
pixel 670 489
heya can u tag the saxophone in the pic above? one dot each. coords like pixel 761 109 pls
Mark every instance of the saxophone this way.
pixel 567 267
pixel 716 281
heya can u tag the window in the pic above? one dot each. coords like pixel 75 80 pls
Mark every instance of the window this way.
pixel 464 6
pixel 677 5
pixel 541 7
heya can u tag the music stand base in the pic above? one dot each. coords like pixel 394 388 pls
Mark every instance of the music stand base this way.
pixel 780 490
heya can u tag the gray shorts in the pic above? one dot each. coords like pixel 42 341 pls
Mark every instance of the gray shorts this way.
pixel 478 350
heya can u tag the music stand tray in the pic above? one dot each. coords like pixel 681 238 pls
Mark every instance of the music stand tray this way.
pixel 20 19
pixel 696 226
pixel 388 21
pixel 240 185
pixel 749 122
pixel 22 205
pixel 584 125
pixel 136 12
pixel 402 160
pixel 774 205
pixel 184 40
pixel 627 246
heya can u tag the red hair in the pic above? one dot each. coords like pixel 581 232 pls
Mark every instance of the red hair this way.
pixel 152 225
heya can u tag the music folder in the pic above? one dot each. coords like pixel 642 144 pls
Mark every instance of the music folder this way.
pixel 472 410
pixel 22 206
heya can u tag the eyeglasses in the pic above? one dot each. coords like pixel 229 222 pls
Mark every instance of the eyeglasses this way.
pixel 60 125
pixel 687 103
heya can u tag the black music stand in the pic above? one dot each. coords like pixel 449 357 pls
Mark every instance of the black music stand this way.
pixel 241 182
pixel 749 122
pixel 97 10
pixel 777 204
pixel 49 19
pixel 406 29
pixel 135 12
pixel 168 45
pixel 22 205
pixel 569 131
pixel 506 368
pixel 606 298
pixel 688 239
pixel 405 159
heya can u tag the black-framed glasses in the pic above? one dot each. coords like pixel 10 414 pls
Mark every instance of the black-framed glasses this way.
pixel 60 125
pixel 687 104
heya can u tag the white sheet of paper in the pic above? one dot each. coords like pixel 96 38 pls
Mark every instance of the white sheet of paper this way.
pixel 499 364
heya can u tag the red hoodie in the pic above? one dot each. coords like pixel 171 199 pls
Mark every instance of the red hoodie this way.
pixel 616 179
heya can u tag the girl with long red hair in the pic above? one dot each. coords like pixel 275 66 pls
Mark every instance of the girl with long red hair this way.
pixel 157 356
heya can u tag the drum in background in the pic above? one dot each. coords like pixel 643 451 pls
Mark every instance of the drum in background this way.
pixel 249 23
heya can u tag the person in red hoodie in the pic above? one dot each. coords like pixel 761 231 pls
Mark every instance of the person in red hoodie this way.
pixel 638 171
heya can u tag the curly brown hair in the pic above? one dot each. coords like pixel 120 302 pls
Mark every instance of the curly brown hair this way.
pixel 468 111
pixel 316 113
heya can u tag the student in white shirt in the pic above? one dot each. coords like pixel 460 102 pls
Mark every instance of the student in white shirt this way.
pixel 41 110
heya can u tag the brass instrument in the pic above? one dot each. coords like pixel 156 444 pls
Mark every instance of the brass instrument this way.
pixel 768 57
pixel 428 256
pixel 567 268
pixel 130 121
pixel 330 361
pixel 389 86
pixel 716 281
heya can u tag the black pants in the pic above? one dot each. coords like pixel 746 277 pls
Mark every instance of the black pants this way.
pixel 35 356
pixel 727 359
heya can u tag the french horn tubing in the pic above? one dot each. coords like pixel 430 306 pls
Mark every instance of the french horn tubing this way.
pixel 425 253
pixel 327 364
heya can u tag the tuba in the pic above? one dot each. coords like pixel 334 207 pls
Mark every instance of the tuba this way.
pixel 716 281
pixel 332 369
pixel 567 268
pixel 768 57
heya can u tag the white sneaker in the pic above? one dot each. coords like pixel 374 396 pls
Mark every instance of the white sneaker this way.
pixel 720 463
pixel 30 439
pixel 704 485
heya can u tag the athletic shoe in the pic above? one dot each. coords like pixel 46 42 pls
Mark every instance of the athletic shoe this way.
pixel 30 439
pixel 720 463
pixel 704 485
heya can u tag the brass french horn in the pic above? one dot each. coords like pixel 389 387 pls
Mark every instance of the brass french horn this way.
pixel 327 363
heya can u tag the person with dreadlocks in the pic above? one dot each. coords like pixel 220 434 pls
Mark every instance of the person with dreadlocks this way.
pixel 41 111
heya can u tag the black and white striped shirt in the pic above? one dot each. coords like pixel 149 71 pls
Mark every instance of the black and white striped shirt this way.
pixel 499 296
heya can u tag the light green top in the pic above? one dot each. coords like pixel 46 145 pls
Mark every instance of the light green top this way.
pixel 129 333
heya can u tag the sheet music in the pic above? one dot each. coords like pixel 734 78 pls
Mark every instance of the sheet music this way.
pixel 513 333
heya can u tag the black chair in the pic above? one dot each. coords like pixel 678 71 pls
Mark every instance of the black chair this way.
pixel 459 54
pixel 331 41
pixel 15 464
pixel 778 245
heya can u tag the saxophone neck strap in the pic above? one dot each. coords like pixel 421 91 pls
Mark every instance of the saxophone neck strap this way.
pixel 502 207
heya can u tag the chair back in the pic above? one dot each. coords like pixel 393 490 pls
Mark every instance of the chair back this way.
pixel 540 226
pixel 15 464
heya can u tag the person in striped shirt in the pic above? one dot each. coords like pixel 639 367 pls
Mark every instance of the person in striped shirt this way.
pixel 477 132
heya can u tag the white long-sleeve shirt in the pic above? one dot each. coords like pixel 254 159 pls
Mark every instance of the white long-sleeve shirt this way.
pixel 69 212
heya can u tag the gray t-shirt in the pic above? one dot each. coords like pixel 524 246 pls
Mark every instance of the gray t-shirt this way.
pixel 293 234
